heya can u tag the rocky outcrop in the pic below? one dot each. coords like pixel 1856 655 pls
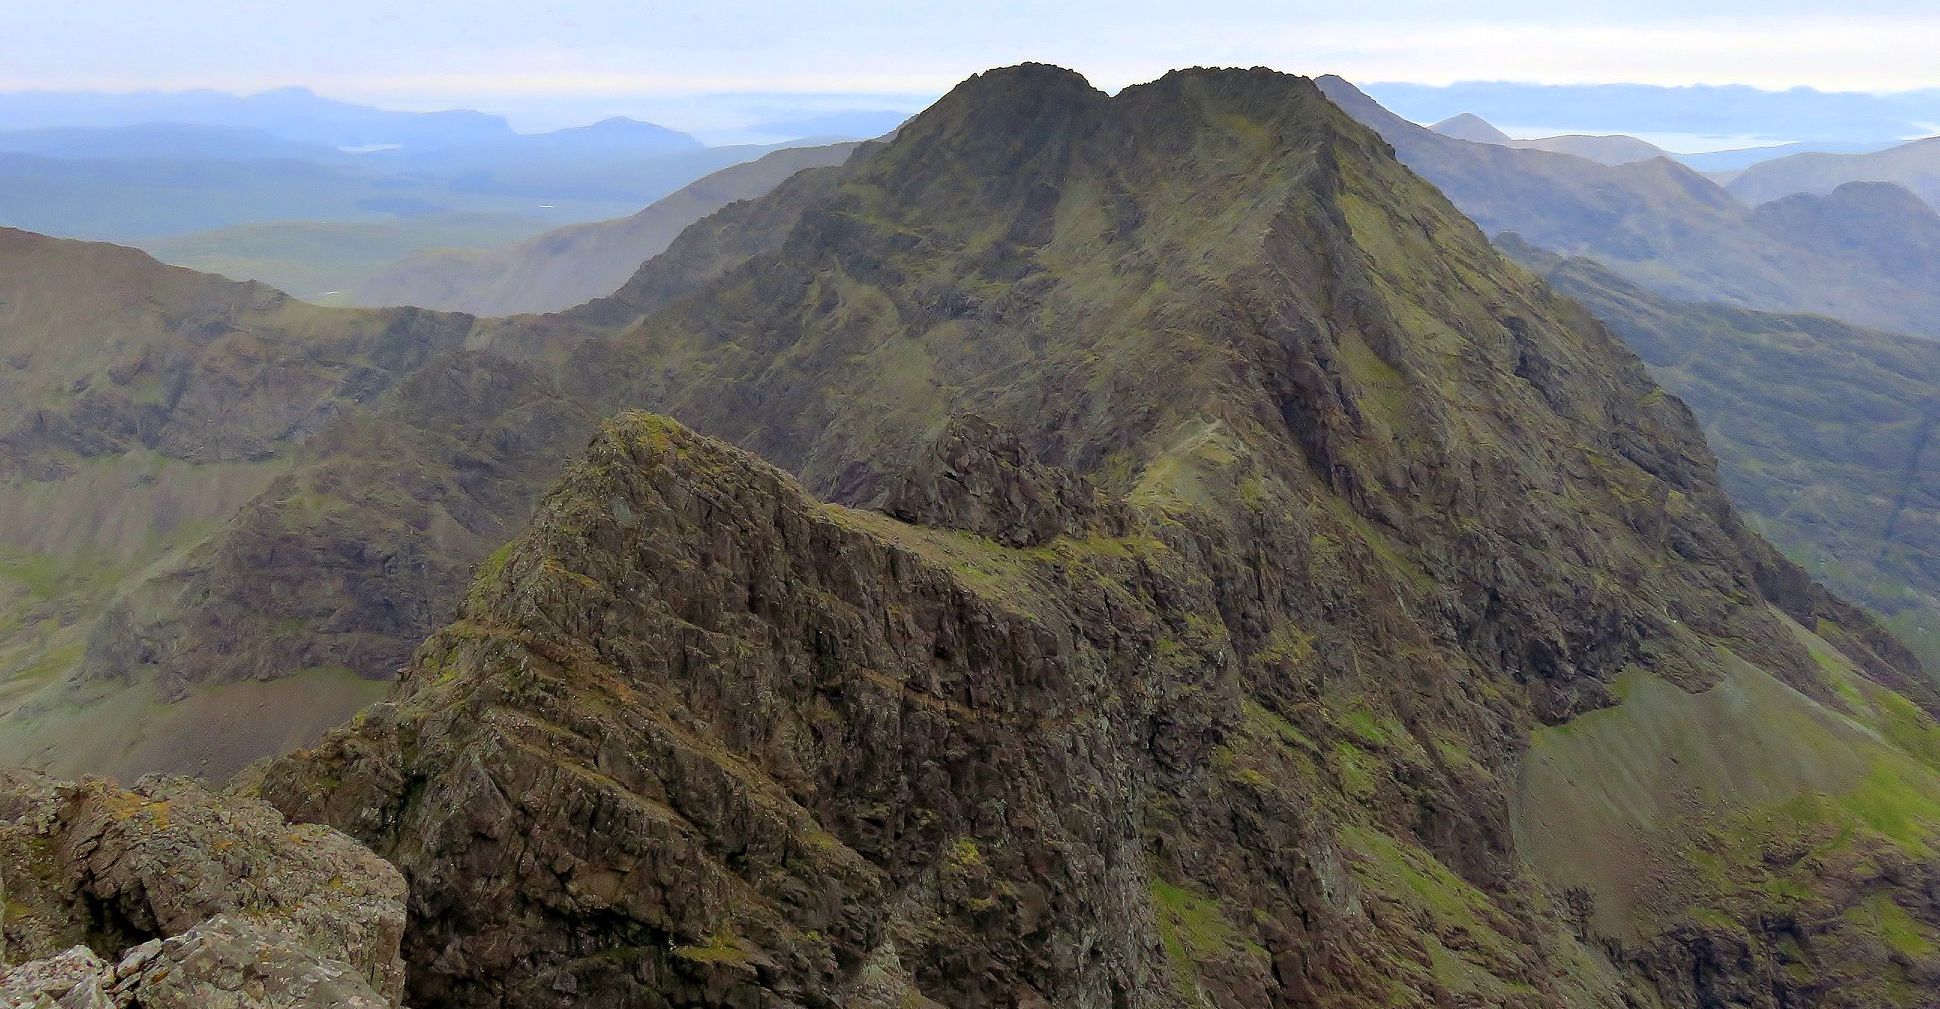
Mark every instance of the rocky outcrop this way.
pixel 223 963
pixel 166 896
pixel 981 480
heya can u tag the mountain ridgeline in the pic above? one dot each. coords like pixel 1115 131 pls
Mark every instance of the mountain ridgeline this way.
pixel 1661 225
pixel 1142 551
pixel 1914 166
pixel 1134 550
pixel 1607 150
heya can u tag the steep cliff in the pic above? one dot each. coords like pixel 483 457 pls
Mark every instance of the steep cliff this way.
pixel 1824 433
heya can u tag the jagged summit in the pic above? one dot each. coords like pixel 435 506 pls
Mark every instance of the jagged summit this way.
pixel 1135 550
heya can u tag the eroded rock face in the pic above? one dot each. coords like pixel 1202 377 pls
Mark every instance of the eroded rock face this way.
pixel 980 479
pixel 721 743
pixel 192 899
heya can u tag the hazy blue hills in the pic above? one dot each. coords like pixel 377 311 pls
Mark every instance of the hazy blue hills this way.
pixel 185 141
pixel 1471 127
pixel 1868 256
pixel 139 182
pixel 1797 114
pixel 1914 166
pixel 1611 149
pixel 192 165
pixel 292 113
pixel 128 199
pixel 1727 163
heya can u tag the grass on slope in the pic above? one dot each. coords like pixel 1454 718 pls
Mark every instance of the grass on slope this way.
pixel 216 730
pixel 65 548
pixel 1716 809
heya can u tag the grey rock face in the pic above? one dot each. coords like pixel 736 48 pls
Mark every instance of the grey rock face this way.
pixel 984 480
pixel 199 900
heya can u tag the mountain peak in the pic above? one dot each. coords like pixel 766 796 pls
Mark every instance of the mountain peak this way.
pixel 1469 126
pixel 1007 95
pixel 1880 196
pixel 1287 512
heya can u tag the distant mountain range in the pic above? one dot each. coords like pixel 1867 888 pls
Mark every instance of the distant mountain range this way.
pixel 1797 114
pixel 141 167
pixel 1609 150
pixel 1869 254
pixel 172 141
pixel 1723 166
pixel 140 183
pixel 297 114
pixel 1914 166
pixel 580 262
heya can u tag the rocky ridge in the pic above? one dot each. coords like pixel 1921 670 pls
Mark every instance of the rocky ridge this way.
pixel 1245 684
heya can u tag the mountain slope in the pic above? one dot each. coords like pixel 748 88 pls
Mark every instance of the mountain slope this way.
pixel 140 407
pixel 1879 227
pixel 323 263
pixel 1605 150
pixel 1914 166
pixel 1240 522
pixel 1823 432
pixel 1661 225
pixel 578 263
pixel 1471 127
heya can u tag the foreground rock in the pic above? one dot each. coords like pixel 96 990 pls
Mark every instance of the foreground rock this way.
pixel 166 896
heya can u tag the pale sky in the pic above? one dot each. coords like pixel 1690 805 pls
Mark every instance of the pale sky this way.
pixel 541 58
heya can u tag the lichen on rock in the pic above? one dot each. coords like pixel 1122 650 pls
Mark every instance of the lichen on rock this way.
pixel 166 895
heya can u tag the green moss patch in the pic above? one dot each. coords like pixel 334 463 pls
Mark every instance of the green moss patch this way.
pixel 1194 931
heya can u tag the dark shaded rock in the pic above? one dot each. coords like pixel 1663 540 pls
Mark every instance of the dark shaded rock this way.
pixel 981 480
